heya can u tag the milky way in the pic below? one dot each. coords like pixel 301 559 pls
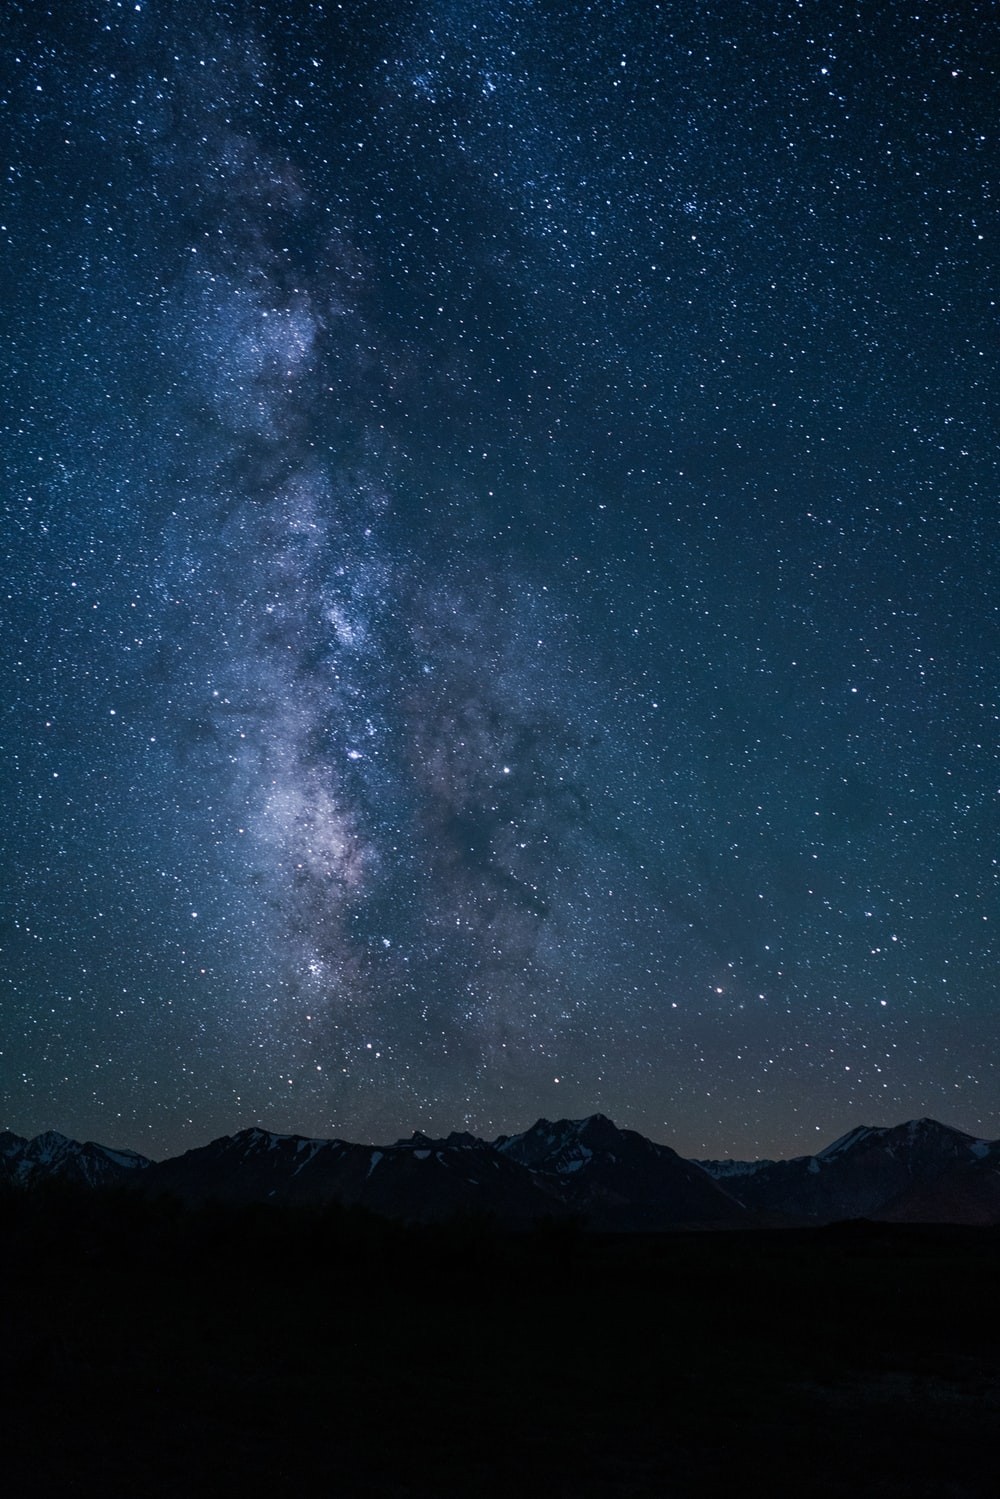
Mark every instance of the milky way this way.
pixel 501 559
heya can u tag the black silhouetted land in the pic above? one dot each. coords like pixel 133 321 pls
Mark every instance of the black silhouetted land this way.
pixel 155 1350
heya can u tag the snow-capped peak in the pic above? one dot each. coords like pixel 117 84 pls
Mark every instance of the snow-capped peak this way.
pixel 853 1138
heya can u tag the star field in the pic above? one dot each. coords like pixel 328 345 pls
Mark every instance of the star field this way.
pixel 499 569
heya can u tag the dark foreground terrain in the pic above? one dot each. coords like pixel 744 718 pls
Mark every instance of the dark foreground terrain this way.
pixel 151 1350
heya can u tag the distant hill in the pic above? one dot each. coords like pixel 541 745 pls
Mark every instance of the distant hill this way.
pixel 416 1181
pixel 53 1155
pixel 618 1179
pixel 587 1169
pixel 900 1173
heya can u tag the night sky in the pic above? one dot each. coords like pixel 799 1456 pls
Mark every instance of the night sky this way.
pixel 500 568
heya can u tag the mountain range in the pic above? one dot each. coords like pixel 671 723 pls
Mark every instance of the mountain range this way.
pixel 589 1169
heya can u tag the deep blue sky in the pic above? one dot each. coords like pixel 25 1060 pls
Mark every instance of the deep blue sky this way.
pixel 500 569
